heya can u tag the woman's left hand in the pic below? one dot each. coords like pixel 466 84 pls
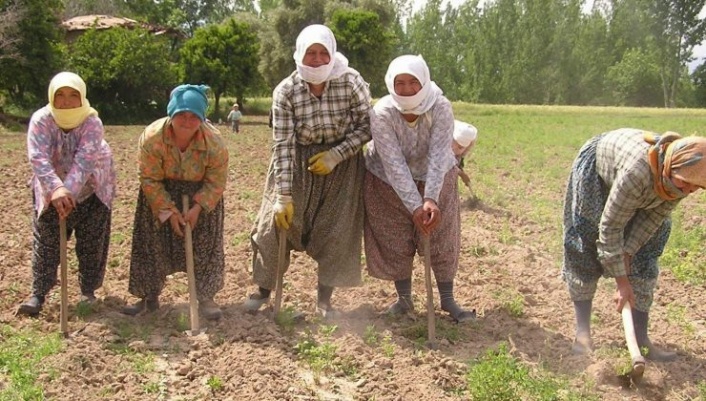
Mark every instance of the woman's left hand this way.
pixel 192 216
pixel 427 217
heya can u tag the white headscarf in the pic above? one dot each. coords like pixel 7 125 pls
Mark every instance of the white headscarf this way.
pixel 322 35
pixel 464 133
pixel 69 118
pixel 423 100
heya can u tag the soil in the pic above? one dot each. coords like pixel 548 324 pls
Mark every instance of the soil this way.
pixel 509 273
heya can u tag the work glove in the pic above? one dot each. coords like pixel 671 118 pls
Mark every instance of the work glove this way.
pixel 284 211
pixel 324 162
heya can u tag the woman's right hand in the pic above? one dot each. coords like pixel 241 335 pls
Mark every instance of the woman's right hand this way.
pixel 624 293
pixel 176 220
pixel 427 217
pixel 63 201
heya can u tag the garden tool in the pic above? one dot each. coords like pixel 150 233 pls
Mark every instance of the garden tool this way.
pixel 190 275
pixel 638 361
pixel 64 279
pixel 431 324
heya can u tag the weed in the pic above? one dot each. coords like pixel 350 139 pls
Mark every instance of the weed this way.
pixel 286 319
pixel 371 336
pixel 183 321
pixel 21 355
pixel 388 347
pixel 84 309
pixel 215 384
pixel 318 356
pixel 511 301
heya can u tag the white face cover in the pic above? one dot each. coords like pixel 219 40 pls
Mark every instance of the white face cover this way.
pixel 315 75
pixel 411 102
pixel 420 102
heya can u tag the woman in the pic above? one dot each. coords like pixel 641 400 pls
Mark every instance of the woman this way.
pixel 621 191
pixel 411 185
pixel 313 189
pixel 73 179
pixel 182 154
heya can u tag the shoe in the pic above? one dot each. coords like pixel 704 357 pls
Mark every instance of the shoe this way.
pixel 402 306
pixel 32 306
pixel 255 302
pixel 465 316
pixel 326 311
pixel 210 310
pixel 88 298
pixel 145 304
pixel 582 344
pixel 658 354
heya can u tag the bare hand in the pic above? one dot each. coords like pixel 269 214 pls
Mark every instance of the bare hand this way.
pixel 427 217
pixel 192 216
pixel 63 201
pixel 624 293
pixel 177 222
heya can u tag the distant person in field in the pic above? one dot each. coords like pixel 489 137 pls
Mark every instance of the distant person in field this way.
pixel 622 189
pixel 313 189
pixel 73 178
pixel 465 136
pixel 179 154
pixel 234 117
pixel 411 186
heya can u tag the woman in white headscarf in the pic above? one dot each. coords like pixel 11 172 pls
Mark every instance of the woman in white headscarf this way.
pixel 73 179
pixel 314 184
pixel 410 188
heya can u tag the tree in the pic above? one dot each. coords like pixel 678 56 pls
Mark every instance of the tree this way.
pixel 10 17
pixel 127 72
pixel 36 38
pixel 365 41
pixel 635 79
pixel 676 29
pixel 224 57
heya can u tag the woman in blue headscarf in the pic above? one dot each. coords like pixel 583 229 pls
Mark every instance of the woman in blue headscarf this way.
pixel 179 154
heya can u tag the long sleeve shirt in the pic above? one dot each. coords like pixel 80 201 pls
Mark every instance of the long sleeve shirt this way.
pixel 621 161
pixel 79 160
pixel 340 116
pixel 205 159
pixel 400 154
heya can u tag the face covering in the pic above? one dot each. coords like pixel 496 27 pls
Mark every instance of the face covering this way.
pixel 409 103
pixel 69 118
pixel 315 75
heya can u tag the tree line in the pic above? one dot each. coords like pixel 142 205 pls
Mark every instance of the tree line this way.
pixel 618 52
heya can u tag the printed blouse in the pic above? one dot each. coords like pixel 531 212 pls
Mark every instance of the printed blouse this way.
pixel 400 154
pixel 205 160
pixel 79 160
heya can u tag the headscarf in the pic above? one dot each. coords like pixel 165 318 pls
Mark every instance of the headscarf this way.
pixel 69 118
pixel 673 156
pixel 322 35
pixel 464 133
pixel 188 98
pixel 423 100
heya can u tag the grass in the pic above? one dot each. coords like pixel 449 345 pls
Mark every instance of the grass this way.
pixel 499 376
pixel 22 354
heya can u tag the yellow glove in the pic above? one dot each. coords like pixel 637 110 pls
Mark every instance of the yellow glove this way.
pixel 324 162
pixel 284 211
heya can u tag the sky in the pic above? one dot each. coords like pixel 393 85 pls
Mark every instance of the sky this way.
pixel 699 51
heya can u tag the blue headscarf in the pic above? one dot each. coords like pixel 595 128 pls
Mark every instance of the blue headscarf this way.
pixel 188 98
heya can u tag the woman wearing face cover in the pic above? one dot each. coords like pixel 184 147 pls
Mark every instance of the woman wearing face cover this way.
pixel 411 185
pixel 182 154
pixel 313 188
pixel 622 189
pixel 73 179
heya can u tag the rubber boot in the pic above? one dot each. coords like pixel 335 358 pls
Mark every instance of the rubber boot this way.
pixel 323 304
pixel 32 306
pixel 448 303
pixel 255 301
pixel 404 301
pixel 582 343
pixel 654 353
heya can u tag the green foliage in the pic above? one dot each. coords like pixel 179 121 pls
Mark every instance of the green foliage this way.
pixel 224 57
pixel 683 255
pixel 21 355
pixel 364 40
pixel 498 376
pixel 127 72
pixel 40 55
pixel 635 80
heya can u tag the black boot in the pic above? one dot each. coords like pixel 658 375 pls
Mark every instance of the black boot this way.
pixel 641 320
pixel 323 304
pixel 149 304
pixel 404 302
pixel 448 303
pixel 582 342
pixel 32 306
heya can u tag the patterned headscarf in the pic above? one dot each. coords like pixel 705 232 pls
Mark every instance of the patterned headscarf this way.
pixel 673 156
pixel 69 118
